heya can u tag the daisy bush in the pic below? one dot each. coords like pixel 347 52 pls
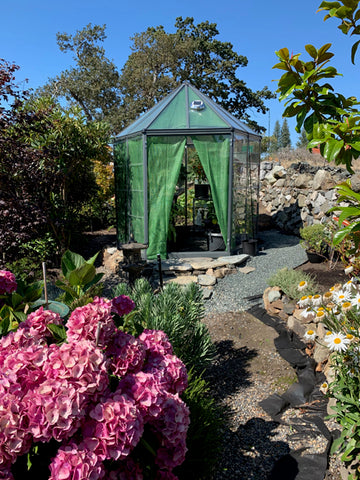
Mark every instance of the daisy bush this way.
pixel 339 310
pixel 100 399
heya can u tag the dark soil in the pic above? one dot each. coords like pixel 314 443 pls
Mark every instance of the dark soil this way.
pixel 325 273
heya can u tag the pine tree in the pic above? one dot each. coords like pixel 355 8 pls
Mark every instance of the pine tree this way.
pixel 285 139
pixel 274 145
pixel 302 140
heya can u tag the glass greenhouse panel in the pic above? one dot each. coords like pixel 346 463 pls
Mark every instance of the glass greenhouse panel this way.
pixel 201 115
pixel 121 189
pixel 173 116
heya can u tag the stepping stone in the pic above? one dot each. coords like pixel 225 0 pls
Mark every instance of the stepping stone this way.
pixel 183 280
pixel 234 259
pixel 246 270
pixel 206 280
pixel 207 293
pixel 176 266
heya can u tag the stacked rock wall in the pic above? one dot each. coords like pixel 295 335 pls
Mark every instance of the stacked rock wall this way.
pixel 301 194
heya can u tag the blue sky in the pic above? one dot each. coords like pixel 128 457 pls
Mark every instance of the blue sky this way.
pixel 255 28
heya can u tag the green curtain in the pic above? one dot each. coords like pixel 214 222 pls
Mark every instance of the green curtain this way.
pixel 136 190
pixel 214 153
pixel 164 161
pixel 121 191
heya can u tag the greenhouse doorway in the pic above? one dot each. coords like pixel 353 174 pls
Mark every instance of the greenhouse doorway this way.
pixel 193 224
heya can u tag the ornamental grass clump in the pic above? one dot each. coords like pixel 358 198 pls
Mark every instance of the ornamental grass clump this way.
pixel 294 283
pixel 89 407
pixel 339 311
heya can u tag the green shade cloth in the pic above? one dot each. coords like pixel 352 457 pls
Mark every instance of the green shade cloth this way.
pixel 164 161
pixel 214 152
pixel 136 190
pixel 121 190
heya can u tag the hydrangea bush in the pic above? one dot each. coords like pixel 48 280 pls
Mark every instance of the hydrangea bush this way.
pixel 95 395
pixel 339 310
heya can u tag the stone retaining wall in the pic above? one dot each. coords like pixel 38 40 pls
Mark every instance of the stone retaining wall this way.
pixel 301 194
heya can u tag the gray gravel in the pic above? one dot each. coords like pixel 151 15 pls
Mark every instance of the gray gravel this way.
pixel 276 251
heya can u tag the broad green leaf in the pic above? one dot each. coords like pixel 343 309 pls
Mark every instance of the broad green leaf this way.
pixel 283 54
pixel 332 149
pixel 20 316
pixel 354 50
pixel 58 332
pixel 16 299
pixel 95 280
pixel 91 260
pixel 328 5
pixel 281 66
pixel 340 235
pixel 70 261
pixel 82 275
pixel 311 51
pixel 348 212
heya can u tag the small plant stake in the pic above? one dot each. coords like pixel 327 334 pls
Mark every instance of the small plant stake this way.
pixel 45 286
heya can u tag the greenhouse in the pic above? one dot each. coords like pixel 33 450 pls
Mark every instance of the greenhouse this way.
pixel 187 178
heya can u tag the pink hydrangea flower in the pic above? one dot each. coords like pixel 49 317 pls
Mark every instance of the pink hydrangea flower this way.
pixel 169 370
pixel 156 341
pixel 115 428
pixel 126 354
pixel 38 321
pixel 92 322
pixel 72 463
pixel 7 282
pixel 122 305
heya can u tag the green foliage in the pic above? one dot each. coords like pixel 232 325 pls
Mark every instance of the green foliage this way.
pixel 288 281
pixel 40 249
pixel 15 307
pixel 80 281
pixel 349 217
pixel 160 61
pixel 330 120
pixel 315 238
pixel 177 311
pixel 93 83
pixel 285 139
pixel 204 439
pixel 25 269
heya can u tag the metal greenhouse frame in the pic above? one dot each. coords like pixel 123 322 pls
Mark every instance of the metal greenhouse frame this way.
pixel 148 155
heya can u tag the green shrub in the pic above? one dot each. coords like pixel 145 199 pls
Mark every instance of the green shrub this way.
pixel 25 269
pixel 204 439
pixel 288 281
pixel 178 311
pixel 315 238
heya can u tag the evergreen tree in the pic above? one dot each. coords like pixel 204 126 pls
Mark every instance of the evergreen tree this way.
pixel 274 147
pixel 302 140
pixel 285 140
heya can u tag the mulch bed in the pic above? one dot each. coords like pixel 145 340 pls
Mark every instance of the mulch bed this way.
pixel 325 274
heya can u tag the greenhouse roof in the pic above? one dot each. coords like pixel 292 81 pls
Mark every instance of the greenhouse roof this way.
pixel 184 111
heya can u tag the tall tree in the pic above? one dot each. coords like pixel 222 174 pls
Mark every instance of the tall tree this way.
pixel 275 142
pixel 302 140
pixel 46 167
pixel 285 139
pixel 160 61
pixel 93 83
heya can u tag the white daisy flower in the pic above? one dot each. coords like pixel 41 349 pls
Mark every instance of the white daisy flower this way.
pixel 320 315
pixel 316 300
pixel 327 297
pixel 308 313
pixel 348 269
pixel 302 285
pixel 337 342
pixel 356 300
pixel 341 296
pixel 349 285
pixel 324 388
pixel 304 301
pixel 310 335
pixel 346 306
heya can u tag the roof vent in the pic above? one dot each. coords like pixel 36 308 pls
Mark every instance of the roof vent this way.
pixel 197 105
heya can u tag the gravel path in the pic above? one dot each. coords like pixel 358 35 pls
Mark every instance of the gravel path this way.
pixel 276 251
pixel 248 369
